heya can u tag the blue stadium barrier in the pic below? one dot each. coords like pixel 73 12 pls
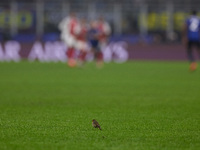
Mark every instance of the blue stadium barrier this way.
pixel 24 37
pixel 51 37
pixel 132 38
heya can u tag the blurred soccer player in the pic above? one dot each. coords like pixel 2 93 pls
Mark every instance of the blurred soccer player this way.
pixel 82 44
pixel 105 31
pixel 94 36
pixel 68 35
pixel 191 38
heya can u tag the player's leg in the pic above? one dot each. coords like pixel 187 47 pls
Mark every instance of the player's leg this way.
pixel 193 64
pixel 83 48
pixel 71 60
pixel 82 56
pixel 198 48
pixel 99 58
pixel 189 51
pixel 71 52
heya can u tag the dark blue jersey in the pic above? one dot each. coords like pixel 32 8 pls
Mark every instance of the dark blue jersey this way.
pixel 193 28
pixel 93 37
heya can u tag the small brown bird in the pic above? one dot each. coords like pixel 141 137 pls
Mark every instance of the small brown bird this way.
pixel 95 124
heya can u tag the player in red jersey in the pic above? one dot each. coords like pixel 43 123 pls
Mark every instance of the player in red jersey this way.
pixel 82 44
pixel 68 28
pixel 105 31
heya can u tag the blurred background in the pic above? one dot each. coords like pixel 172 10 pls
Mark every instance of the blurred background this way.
pixel 157 19
pixel 133 21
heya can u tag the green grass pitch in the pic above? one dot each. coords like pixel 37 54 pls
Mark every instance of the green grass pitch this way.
pixel 139 105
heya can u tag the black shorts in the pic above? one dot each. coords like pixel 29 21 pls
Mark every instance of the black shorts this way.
pixel 191 44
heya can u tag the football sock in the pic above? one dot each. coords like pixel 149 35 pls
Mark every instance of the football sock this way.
pixel 70 53
pixel 82 56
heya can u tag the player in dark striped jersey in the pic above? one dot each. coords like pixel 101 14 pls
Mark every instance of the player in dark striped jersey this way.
pixel 192 38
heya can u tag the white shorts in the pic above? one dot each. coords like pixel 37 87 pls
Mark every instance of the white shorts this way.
pixel 69 40
pixel 82 45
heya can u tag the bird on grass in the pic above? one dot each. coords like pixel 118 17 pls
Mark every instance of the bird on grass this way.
pixel 95 124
